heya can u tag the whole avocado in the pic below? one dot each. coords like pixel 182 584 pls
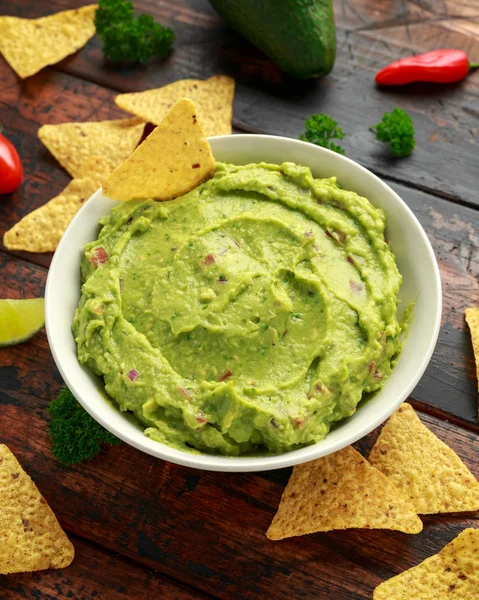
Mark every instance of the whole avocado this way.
pixel 298 35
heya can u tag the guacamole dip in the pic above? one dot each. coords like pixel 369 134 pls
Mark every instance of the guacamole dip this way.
pixel 246 316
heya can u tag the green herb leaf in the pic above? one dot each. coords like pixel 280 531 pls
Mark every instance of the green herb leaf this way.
pixel 397 129
pixel 112 11
pixel 320 130
pixel 127 39
pixel 75 435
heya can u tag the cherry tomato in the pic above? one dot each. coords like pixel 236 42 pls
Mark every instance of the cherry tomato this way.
pixel 11 171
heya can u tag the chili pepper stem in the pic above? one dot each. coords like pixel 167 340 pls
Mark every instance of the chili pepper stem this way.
pixel 473 66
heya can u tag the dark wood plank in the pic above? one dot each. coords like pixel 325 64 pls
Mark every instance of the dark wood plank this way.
pixel 94 574
pixel 449 383
pixel 197 527
pixel 267 101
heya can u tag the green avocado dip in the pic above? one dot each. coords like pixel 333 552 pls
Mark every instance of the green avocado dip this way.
pixel 246 316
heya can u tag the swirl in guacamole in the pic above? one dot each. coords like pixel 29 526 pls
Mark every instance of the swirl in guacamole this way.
pixel 246 316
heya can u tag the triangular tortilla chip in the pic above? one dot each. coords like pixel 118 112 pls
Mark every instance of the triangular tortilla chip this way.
pixel 425 469
pixel 340 491
pixel 28 45
pixel 31 538
pixel 213 98
pixel 174 159
pixel 42 229
pixel 453 574
pixel 472 318
pixel 72 143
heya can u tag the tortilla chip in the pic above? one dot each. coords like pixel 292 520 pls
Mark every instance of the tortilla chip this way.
pixel 31 538
pixel 42 229
pixel 453 574
pixel 424 469
pixel 174 159
pixel 72 143
pixel 28 45
pixel 340 491
pixel 213 98
pixel 472 318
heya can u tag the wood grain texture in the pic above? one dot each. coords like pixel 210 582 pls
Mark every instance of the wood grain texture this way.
pixel 449 383
pixel 199 528
pixel 267 101
pixel 94 575
pixel 203 533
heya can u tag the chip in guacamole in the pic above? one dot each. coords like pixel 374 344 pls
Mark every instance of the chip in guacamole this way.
pixel 173 159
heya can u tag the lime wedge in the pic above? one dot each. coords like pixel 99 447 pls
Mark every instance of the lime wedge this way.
pixel 20 320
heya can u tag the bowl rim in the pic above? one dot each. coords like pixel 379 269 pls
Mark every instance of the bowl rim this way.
pixel 213 462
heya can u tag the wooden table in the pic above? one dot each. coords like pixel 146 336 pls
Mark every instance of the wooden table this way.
pixel 143 528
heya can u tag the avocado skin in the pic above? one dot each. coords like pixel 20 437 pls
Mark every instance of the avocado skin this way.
pixel 298 35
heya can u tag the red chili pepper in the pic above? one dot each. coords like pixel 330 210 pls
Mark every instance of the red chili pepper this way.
pixel 11 172
pixel 439 66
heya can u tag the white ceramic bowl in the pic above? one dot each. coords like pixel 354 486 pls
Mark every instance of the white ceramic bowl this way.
pixel 415 258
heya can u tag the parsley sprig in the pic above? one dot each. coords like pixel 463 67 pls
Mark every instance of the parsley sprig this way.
pixel 127 39
pixel 320 130
pixel 397 129
pixel 75 435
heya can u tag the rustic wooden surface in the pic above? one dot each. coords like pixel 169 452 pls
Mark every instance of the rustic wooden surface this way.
pixel 143 528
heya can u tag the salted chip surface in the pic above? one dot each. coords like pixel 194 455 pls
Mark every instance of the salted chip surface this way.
pixel 173 160
pixel 31 538
pixel 424 469
pixel 73 143
pixel 472 318
pixel 341 491
pixel 453 574
pixel 42 229
pixel 28 45
pixel 213 98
